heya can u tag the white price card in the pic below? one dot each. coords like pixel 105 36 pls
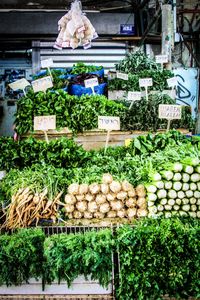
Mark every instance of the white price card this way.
pixel 108 123
pixel 112 75
pixel 20 84
pixel 134 96
pixel 145 82
pixel 92 82
pixel 123 76
pixel 44 123
pixel 42 84
pixel 47 63
pixel 161 59
pixel 172 82
pixel 170 112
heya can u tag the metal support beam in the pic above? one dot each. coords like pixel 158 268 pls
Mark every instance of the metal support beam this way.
pixel 35 56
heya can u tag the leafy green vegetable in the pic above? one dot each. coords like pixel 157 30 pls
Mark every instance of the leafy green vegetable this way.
pixel 81 68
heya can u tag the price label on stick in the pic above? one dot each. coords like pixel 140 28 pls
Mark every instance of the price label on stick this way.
pixel 172 82
pixel 161 59
pixel 134 96
pixel 47 63
pixel 123 76
pixel 145 82
pixel 44 123
pixel 108 123
pixel 20 84
pixel 170 112
pixel 41 85
pixel 92 82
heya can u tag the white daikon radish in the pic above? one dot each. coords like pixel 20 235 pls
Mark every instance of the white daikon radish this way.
pixel 193 200
pixel 181 195
pixel 186 207
pixel 198 214
pixel 197 194
pixel 168 207
pixel 177 186
pixel 131 213
pixel 193 186
pixel 112 214
pixel 77 214
pixel 176 207
pixel 83 188
pixel 94 188
pixel 131 202
pixel 126 186
pixel 177 177
pixel 153 209
pixel 168 185
pixel 100 199
pixel 161 194
pixel 185 177
pixel 104 208
pixel 151 188
pixel 178 201
pixel 168 215
pixel 185 186
pixel 182 213
pixel 172 194
pixel 151 203
pixel 160 207
pixel 197 169
pixel 188 169
pixel 185 201
pixel 69 208
pixel 192 214
pixel 89 197
pixel 87 215
pixel 189 194
pixel 122 195
pixel 171 202
pixel 92 206
pixel 168 175
pixel 116 205
pixel 107 178
pixel 73 189
pixel 195 177
pixel 104 188
pixel 151 197
pixel 193 207
pixel 177 167
pixel 163 201
pixel 81 206
pixel 115 186
pixel 70 199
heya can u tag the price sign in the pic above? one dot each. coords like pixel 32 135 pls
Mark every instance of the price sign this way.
pixel 170 112
pixel 92 82
pixel 44 123
pixel 108 123
pixel 161 59
pixel 172 82
pixel 112 75
pixel 47 63
pixel 123 76
pixel 134 96
pixel 42 84
pixel 20 84
pixel 145 82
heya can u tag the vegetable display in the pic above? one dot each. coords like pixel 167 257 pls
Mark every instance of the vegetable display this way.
pixel 109 199
pixel 81 68
pixel 175 190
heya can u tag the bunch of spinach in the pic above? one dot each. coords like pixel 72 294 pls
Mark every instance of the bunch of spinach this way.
pixel 89 254
pixel 21 256
pixel 81 68
pixel 159 257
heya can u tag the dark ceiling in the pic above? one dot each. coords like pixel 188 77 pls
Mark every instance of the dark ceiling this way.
pixel 103 5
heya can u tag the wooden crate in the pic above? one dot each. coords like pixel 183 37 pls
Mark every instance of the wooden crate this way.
pixel 94 139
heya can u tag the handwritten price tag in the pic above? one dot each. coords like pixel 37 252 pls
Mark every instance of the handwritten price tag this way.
pixel 42 84
pixel 134 96
pixel 44 123
pixel 145 82
pixel 161 59
pixel 108 123
pixel 122 76
pixel 170 112
pixel 47 63
pixel 20 84
pixel 172 82
pixel 92 82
